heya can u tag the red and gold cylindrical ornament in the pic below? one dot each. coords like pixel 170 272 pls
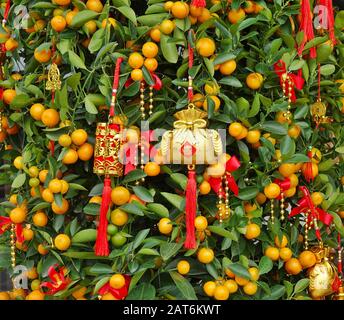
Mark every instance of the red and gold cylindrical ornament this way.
pixel 113 164
pixel 100 149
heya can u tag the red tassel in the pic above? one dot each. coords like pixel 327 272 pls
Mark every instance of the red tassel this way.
pixel 102 245
pixel 19 233
pixel 306 26
pixel 7 10
pixel 190 211
pixel 329 16
pixel 309 172
pixel 199 3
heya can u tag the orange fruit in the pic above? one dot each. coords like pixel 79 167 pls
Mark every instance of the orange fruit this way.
pixel 228 67
pixel 196 11
pixel 60 209
pixel 205 16
pixel 165 226
pixel 13 199
pixel 307 259
pixel 249 6
pixel 241 281
pixel 16 293
pixel 212 89
pixel 155 34
pixel 235 129
pixel 151 64
pixel 35 295
pixel 108 296
pixel 40 219
pixel 229 273
pixel 209 288
pixel 180 10
pixel 65 140
pixel 285 254
pixel 261 198
pixel 19 163
pixel 85 152
pixel 217 103
pixel 294 180
pixel 204 188
pixel 119 217
pixel 55 186
pixel 257 7
pixel 254 80
pixel 281 243
pixel 43 175
pixel 315 169
pixel 70 157
pixel 183 267
pixel 94 5
pixel 205 47
pixel 272 253
pixel 47 196
pixel 70 16
pixel 79 293
pixel 150 49
pixel 221 293
pixel 243 134
pixel 96 199
pixel 58 23
pixel 9 95
pixel 254 272
pixel 32 273
pixel 106 23
pixel 253 136
pixel 36 111
pixel 286 169
pixel 272 191
pixel 43 56
pixel 252 231
pixel 205 255
pixel 231 285
pixel 42 250
pixel 3 136
pixel 11 44
pixel 28 234
pixel 62 242
pixel 152 169
pixel 290 192
pixel 201 223
pixel 18 215
pixel 136 60
pixel 234 16
pixel 117 281
pixel 137 75
pixel 50 118
pixel 79 137
pixel 316 155
pixel 198 100
pixel 294 131
pixel 65 186
pixel 168 5
pixel 62 2
pixel 317 198
pixel 281 117
pixel 250 288
pixel 120 196
pixel 4 296
pixel 293 266
pixel 167 27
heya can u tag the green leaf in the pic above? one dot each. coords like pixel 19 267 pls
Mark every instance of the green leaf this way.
pixel 83 255
pixel 90 106
pixel 239 270
pixel 247 23
pixel 75 60
pixel 132 208
pixel 140 237
pixel 180 178
pixel 168 250
pixel 19 181
pixel 100 284
pixel 183 285
pixel 144 291
pixel 301 285
pixel 134 176
pixel 100 268
pixel 296 158
pixel 296 65
pixel 275 127
pixel 159 209
pixel 287 146
pixel 83 236
pixel 152 20
pixel 248 193
pixel 327 69
pixel 231 81
pixel 82 17
pixel 175 200
pixel 143 193
pixel 169 49
pixel 277 292
pixel 265 265
pixel 129 13
pixel 40 206
pixel 223 232
pixel 255 107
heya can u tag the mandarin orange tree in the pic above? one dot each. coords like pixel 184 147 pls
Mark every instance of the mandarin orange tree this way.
pixel 268 217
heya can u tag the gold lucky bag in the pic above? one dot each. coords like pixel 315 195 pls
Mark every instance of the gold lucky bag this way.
pixel 190 142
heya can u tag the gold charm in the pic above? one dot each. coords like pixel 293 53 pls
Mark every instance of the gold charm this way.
pixel 318 112
pixel 322 274
pixel 54 82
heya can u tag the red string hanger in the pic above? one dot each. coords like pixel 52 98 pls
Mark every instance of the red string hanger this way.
pixel 306 26
pixel 6 13
pixel 327 17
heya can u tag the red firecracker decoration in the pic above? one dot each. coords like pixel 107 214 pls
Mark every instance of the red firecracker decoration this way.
pixel 199 3
pixel 119 294
pixel 58 281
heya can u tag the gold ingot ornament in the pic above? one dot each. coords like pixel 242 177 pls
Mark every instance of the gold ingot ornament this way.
pixel 322 274
pixel 190 143
pixel 54 81
pixel 318 112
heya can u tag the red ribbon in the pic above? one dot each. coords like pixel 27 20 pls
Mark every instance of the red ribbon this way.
pixel 58 280
pixel 232 165
pixel 157 82
pixel 5 224
pixel 191 59
pixel 296 79
pixel 115 84
pixel 306 204
pixel 283 184
pixel 119 294
pixel 7 11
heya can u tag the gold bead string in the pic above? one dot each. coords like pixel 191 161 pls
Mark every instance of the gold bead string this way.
pixel 142 158
pixel 142 100
pixel 282 206
pixel 307 227
pixel 288 94
pixel 220 205
pixel 272 211
pixel 0 121
pixel 227 198
pixel 13 245
pixel 151 100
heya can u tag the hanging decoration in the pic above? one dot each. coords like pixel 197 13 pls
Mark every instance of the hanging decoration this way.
pixel 119 294
pixel 340 292
pixel 107 163
pixel 191 144
pixel 284 186
pixel 289 81
pixel 58 280
pixel 199 3
pixel 327 19
pixel 222 185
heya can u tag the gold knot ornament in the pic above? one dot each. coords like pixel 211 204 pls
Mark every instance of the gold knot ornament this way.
pixel 190 142
pixel 54 82
pixel 322 274
pixel 318 112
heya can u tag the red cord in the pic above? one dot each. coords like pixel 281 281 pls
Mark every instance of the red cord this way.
pixel 319 78
pixel 115 84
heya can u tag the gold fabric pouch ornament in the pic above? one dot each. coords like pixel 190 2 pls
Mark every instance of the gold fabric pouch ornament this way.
pixel 107 163
pixel 322 275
